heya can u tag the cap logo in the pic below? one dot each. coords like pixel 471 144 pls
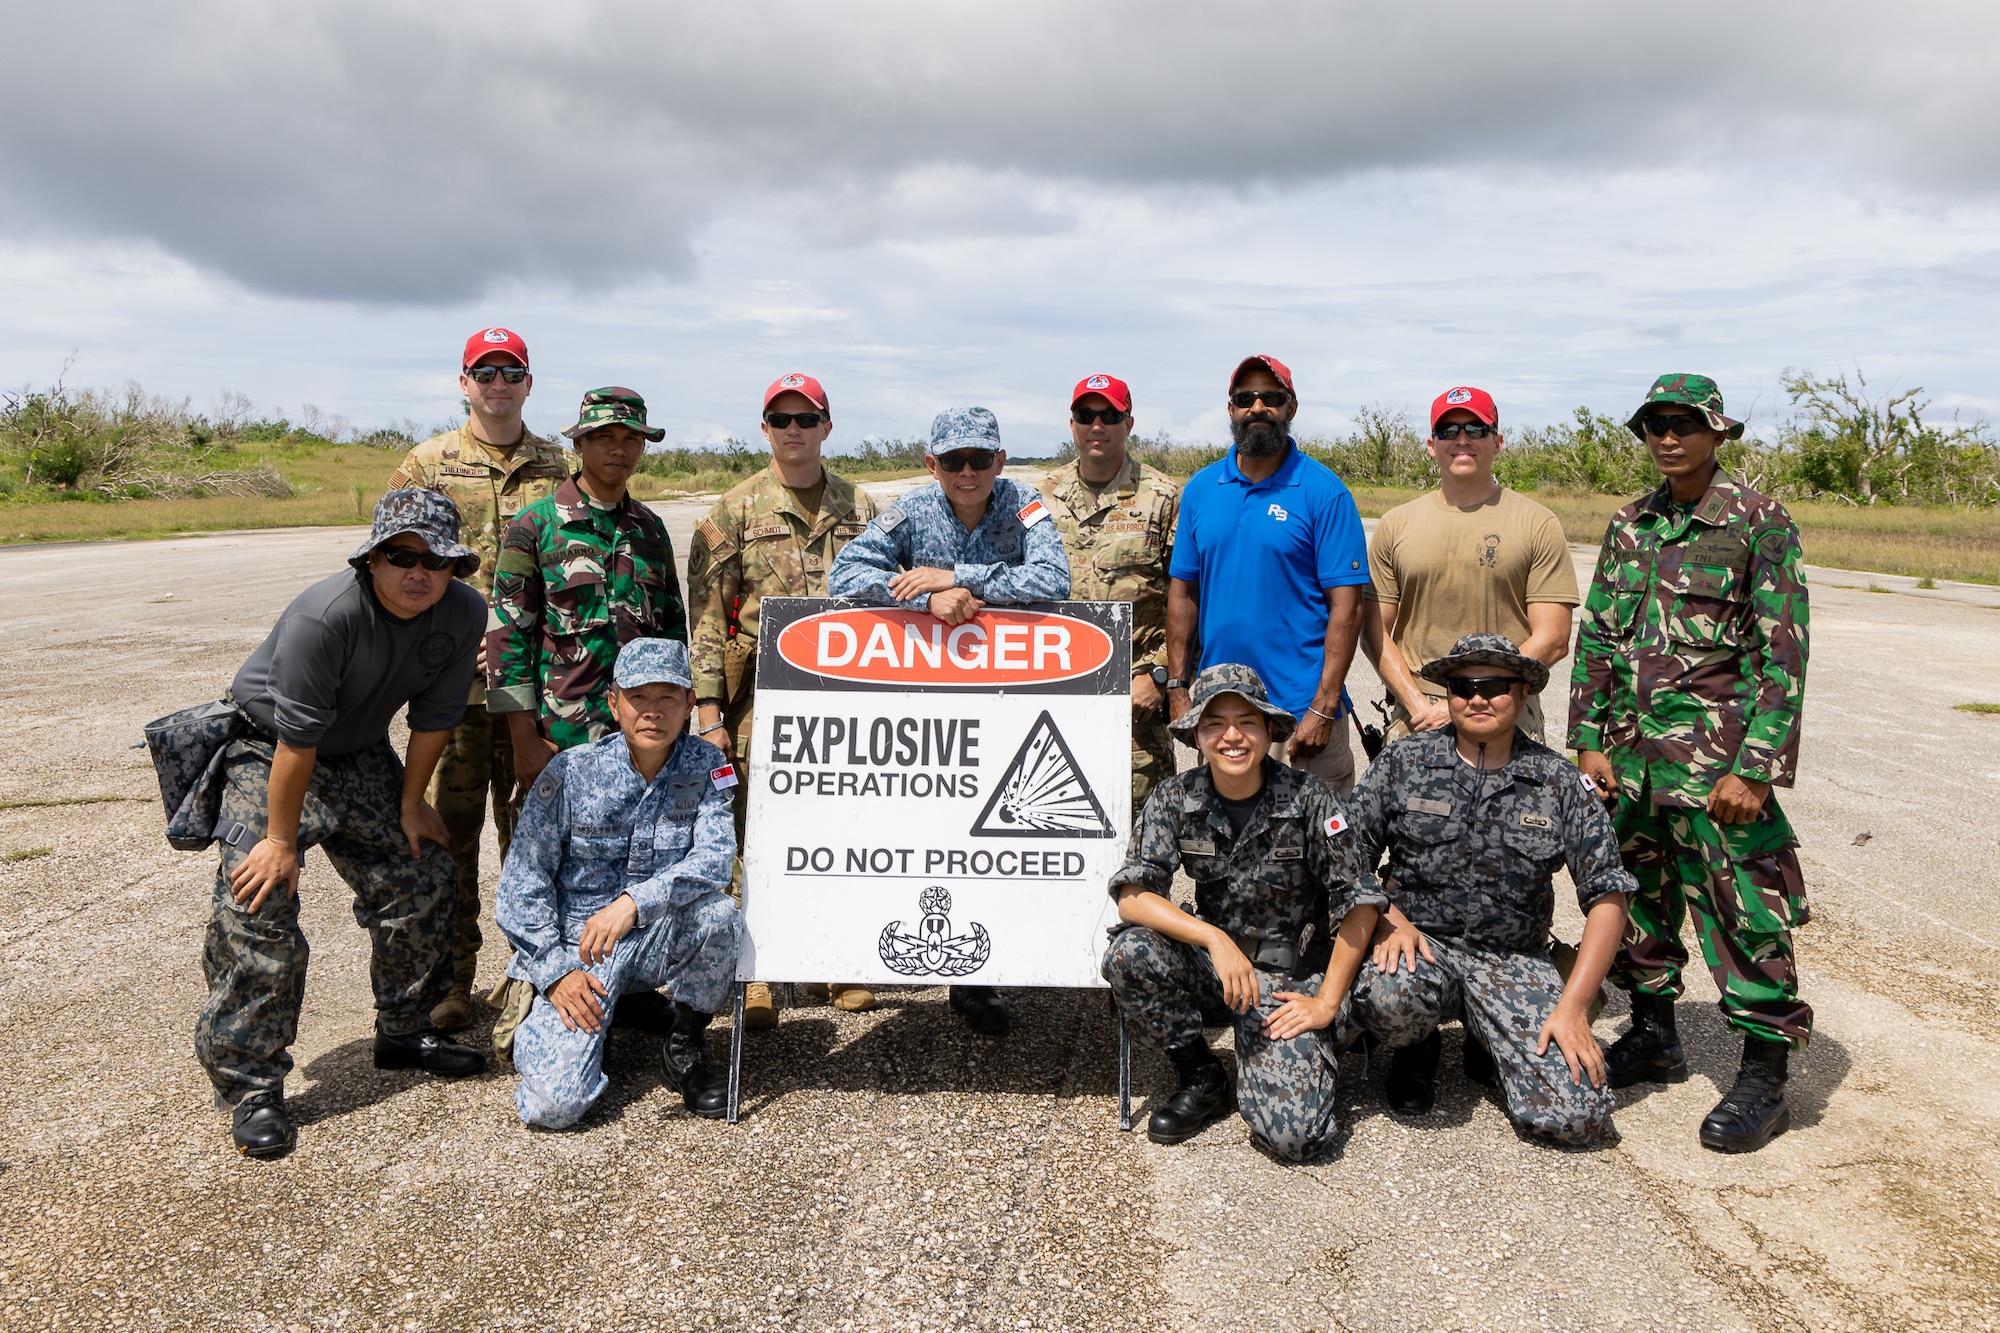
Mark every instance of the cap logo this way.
pixel 1098 382
pixel 791 381
pixel 496 335
pixel 1459 396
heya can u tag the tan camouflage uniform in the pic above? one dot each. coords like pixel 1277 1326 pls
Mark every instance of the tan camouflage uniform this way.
pixel 1120 542
pixel 489 486
pixel 757 543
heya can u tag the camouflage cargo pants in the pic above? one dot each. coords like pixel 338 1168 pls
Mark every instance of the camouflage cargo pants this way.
pixel 1152 758
pixel 1504 998
pixel 1285 1089
pixel 256 962
pixel 479 758
pixel 1743 884
pixel 691 949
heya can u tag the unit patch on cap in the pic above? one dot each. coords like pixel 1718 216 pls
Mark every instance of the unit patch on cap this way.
pixel 792 381
pixel 1098 382
pixel 496 335
pixel 1031 513
pixel 1459 396
pixel 1334 826
pixel 720 778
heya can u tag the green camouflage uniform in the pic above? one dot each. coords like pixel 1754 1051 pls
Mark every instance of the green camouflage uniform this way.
pixel 575 582
pixel 490 487
pixel 1691 664
pixel 758 543
pixel 1121 540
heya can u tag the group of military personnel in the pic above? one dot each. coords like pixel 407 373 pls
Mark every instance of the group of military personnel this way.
pixel 607 723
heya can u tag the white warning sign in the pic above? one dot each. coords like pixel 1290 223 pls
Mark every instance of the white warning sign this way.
pixel 931 802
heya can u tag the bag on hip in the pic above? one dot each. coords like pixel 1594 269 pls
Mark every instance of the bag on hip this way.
pixel 187 749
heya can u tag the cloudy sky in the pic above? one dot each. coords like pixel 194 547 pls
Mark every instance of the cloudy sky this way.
pixel 940 203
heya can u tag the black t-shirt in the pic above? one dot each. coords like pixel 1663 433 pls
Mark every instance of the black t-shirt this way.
pixel 336 668
pixel 1238 812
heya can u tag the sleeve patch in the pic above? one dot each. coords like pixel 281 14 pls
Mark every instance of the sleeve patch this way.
pixel 1588 785
pixel 1775 545
pixel 719 778
pixel 1032 513
pixel 1334 826
pixel 711 534
pixel 891 518
pixel 547 787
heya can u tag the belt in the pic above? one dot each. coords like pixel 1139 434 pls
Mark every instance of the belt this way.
pixel 1271 955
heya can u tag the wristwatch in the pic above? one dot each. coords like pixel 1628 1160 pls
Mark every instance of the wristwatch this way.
pixel 1159 675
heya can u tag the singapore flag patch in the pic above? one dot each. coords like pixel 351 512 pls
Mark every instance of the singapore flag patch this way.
pixel 1031 513
pixel 722 777
pixel 1335 826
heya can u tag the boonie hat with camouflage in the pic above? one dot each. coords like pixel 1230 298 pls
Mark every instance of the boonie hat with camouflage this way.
pixel 612 406
pixel 652 662
pixel 964 428
pixel 1487 650
pixel 1696 391
pixel 430 515
pixel 1231 678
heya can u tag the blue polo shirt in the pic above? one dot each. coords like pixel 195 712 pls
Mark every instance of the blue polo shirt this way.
pixel 1261 555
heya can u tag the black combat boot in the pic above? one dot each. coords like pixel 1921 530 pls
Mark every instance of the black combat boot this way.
pixel 981 1009
pixel 1650 1051
pixel 1202 1096
pixel 1754 1112
pixel 428 1050
pixel 260 1126
pixel 684 1061
pixel 1411 1088
pixel 1478 1064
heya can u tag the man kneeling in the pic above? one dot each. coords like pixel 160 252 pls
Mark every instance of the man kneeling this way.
pixel 1476 818
pixel 615 882
pixel 1275 872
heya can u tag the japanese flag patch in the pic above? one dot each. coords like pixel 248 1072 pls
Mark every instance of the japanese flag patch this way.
pixel 1334 826
pixel 1031 513
pixel 1588 785
pixel 722 777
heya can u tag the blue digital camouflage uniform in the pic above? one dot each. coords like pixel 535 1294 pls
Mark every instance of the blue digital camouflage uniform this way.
pixel 1280 891
pixel 590 830
pixel 1006 559
pixel 1471 860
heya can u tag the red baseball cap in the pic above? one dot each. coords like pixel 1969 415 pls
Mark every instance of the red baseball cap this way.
pixel 1476 401
pixel 1113 389
pixel 797 383
pixel 487 341
pixel 1270 363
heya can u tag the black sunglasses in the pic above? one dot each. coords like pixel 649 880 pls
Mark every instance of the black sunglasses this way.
pixel 1276 399
pixel 485 374
pixel 780 420
pixel 1472 430
pixel 1664 424
pixel 959 460
pixel 402 557
pixel 1085 416
pixel 1484 687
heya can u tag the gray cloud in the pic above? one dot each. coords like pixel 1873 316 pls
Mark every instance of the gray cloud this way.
pixel 386 152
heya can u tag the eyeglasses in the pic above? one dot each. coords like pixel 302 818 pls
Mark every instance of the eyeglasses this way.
pixel 1663 424
pixel 402 557
pixel 780 420
pixel 960 459
pixel 1483 687
pixel 485 374
pixel 1275 399
pixel 1086 416
pixel 1472 430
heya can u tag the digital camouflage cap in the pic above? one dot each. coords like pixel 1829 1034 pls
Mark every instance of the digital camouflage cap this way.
pixel 428 514
pixel 652 662
pixel 612 406
pixel 1496 650
pixel 1696 391
pixel 1231 678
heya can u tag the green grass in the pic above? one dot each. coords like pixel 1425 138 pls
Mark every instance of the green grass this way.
pixel 26 854
pixel 35 803
pixel 1978 708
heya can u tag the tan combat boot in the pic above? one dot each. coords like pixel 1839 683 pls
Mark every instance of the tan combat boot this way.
pixel 852 999
pixel 454 1012
pixel 759 1010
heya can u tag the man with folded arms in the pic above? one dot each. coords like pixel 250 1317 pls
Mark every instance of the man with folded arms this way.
pixel 400 629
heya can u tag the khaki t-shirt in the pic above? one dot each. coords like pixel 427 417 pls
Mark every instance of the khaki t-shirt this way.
pixel 1453 572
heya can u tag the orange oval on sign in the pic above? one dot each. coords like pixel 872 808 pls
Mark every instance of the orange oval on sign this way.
pixel 993 648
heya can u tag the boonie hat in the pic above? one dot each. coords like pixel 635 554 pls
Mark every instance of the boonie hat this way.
pixel 1487 650
pixel 1111 387
pixel 1231 678
pixel 1476 401
pixel 1696 391
pixel 488 341
pixel 797 383
pixel 1270 363
pixel 964 428
pixel 652 662
pixel 612 406
pixel 430 515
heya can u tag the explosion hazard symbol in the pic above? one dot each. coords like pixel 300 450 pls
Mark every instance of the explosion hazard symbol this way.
pixel 1042 794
